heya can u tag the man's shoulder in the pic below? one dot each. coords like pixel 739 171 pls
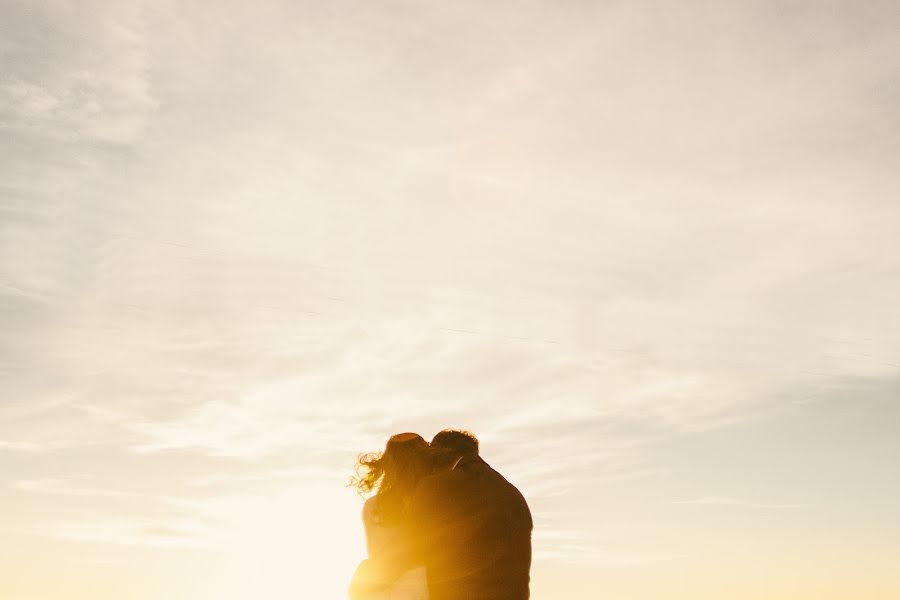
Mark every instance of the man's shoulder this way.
pixel 473 475
pixel 513 499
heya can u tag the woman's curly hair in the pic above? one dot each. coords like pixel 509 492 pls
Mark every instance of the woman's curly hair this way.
pixel 393 474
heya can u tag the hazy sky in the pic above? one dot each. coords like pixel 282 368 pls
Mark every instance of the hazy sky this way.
pixel 647 251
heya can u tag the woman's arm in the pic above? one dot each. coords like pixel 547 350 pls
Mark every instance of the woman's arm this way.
pixel 391 552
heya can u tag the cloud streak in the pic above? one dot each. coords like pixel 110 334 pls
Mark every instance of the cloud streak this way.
pixel 736 502
pixel 240 245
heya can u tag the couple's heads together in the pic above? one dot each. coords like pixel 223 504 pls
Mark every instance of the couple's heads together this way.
pixel 407 458
pixel 446 448
pixel 449 442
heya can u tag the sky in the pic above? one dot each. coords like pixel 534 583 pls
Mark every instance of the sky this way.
pixel 647 252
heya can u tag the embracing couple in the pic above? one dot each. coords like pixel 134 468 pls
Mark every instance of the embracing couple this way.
pixel 442 524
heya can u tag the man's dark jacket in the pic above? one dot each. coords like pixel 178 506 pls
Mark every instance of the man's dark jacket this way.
pixel 472 529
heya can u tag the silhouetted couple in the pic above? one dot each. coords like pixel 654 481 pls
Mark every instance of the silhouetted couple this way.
pixel 442 525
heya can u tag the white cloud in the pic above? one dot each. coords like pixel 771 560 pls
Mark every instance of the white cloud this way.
pixel 87 81
pixel 19 446
pixel 575 547
pixel 255 239
pixel 175 533
pixel 728 501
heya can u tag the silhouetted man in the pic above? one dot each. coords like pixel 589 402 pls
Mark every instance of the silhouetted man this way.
pixel 471 526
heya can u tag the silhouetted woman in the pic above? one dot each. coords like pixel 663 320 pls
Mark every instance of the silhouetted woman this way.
pixel 393 475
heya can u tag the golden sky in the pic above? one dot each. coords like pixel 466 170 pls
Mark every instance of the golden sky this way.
pixel 647 252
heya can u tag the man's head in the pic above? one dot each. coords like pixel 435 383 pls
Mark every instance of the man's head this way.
pixel 457 441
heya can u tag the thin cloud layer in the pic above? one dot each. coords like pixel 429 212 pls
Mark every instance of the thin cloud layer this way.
pixel 241 244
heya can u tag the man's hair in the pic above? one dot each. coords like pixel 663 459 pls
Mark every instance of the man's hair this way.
pixel 457 441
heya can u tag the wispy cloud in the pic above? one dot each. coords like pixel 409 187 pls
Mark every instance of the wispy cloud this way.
pixel 737 502
pixel 68 90
pixel 575 547
pixel 20 446
pixel 240 244
pixel 174 533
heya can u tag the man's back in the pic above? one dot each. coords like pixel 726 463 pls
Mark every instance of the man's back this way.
pixel 474 530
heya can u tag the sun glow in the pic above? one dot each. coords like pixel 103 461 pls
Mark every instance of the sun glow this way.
pixel 304 543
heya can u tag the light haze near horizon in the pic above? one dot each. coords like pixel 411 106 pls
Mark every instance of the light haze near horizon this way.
pixel 648 252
